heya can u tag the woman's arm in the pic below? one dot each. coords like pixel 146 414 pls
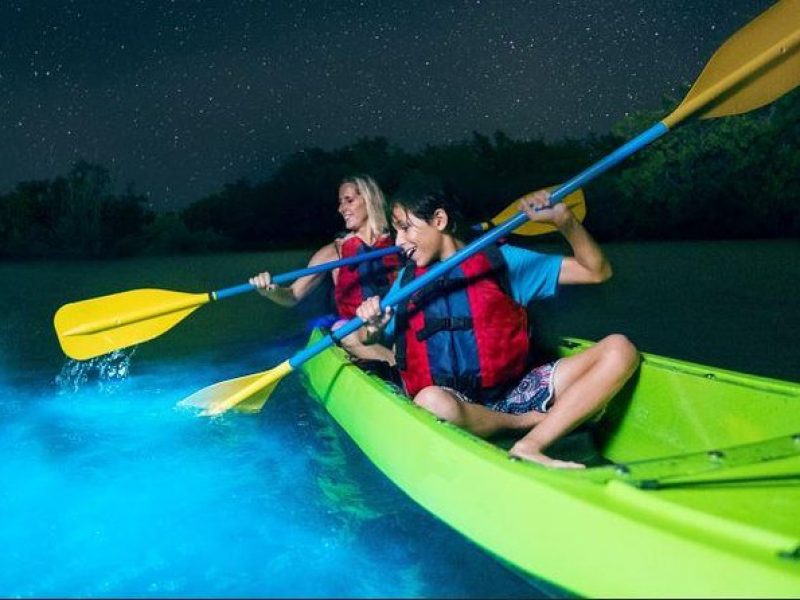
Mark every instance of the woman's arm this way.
pixel 301 287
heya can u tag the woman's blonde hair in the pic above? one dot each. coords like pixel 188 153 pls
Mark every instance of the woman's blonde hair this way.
pixel 373 196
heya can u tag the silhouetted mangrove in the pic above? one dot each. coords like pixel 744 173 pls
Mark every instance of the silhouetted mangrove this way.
pixel 730 178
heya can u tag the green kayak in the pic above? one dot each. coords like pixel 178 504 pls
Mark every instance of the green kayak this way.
pixel 694 488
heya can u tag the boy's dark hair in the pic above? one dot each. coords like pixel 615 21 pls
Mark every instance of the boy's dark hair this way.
pixel 423 202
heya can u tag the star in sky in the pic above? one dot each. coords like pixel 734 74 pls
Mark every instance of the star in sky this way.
pixel 181 97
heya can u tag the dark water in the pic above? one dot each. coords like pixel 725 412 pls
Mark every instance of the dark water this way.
pixel 110 490
pixel 731 305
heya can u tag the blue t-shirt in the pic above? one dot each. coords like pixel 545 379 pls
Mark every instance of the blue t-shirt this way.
pixel 531 275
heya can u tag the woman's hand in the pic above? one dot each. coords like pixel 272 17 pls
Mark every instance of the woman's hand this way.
pixel 263 283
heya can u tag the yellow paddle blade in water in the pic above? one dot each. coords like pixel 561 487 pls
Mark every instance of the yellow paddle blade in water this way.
pixel 758 64
pixel 93 327
pixel 245 394
pixel 576 202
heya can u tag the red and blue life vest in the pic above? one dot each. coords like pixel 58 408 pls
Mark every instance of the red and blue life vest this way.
pixel 356 283
pixel 463 331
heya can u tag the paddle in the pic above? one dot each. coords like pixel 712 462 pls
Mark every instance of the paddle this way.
pixel 575 202
pixel 96 326
pixel 755 66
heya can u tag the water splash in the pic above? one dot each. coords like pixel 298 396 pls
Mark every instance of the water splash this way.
pixel 108 371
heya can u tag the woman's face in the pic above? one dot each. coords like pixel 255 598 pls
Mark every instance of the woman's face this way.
pixel 420 240
pixel 352 207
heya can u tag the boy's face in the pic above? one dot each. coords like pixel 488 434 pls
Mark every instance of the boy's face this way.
pixel 420 240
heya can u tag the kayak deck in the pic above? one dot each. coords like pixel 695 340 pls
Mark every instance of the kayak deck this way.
pixel 724 443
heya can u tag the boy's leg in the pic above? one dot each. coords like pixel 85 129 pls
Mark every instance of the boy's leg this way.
pixel 449 405
pixel 584 383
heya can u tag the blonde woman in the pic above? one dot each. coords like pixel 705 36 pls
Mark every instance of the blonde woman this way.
pixel 362 206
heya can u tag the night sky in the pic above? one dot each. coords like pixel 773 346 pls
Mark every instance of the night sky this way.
pixel 183 96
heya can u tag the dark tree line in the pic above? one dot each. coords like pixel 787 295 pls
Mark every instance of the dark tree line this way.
pixel 734 177
pixel 73 215
pixel 77 216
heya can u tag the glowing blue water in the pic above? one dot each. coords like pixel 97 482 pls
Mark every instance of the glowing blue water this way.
pixel 110 490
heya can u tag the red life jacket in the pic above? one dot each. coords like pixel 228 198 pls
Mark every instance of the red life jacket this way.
pixel 463 331
pixel 356 283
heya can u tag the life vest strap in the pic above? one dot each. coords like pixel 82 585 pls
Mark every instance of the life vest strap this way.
pixel 444 324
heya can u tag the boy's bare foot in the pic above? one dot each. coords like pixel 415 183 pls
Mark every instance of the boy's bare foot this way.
pixel 519 451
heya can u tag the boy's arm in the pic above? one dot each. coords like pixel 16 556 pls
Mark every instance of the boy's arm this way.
pixel 588 263
pixel 375 320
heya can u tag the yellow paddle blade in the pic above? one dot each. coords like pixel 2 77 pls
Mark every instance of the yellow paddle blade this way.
pixel 93 327
pixel 576 202
pixel 759 63
pixel 245 394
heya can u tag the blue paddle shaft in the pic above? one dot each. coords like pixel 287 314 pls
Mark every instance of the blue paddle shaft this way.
pixel 292 275
pixel 232 291
pixel 491 236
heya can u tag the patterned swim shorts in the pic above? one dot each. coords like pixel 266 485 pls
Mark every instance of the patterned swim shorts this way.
pixel 534 392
